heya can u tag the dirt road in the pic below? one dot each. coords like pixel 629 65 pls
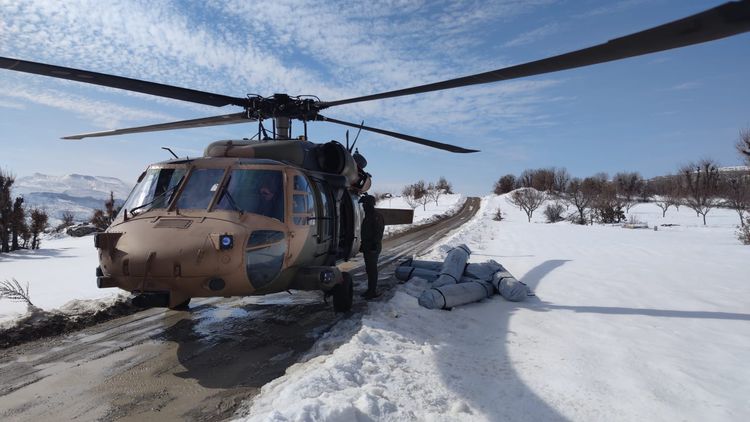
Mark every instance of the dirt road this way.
pixel 188 365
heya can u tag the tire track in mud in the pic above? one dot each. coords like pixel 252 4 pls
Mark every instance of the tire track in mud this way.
pixel 199 364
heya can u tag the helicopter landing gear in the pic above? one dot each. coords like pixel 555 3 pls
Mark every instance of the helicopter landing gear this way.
pixel 182 306
pixel 343 294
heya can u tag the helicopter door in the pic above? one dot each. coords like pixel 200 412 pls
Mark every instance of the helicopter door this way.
pixel 325 218
pixel 348 227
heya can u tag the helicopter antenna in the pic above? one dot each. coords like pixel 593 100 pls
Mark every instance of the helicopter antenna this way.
pixel 170 151
pixel 347 140
pixel 356 137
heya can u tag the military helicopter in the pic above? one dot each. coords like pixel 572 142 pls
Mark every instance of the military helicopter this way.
pixel 260 216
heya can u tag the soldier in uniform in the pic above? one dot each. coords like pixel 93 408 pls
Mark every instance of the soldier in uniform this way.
pixel 372 243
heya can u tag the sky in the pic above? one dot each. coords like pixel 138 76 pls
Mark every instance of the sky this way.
pixel 649 114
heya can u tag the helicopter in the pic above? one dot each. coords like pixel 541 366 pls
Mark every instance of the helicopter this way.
pixel 273 213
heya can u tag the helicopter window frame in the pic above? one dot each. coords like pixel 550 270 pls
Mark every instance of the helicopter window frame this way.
pixel 139 184
pixel 302 193
pixel 324 202
pixel 217 204
pixel 188 178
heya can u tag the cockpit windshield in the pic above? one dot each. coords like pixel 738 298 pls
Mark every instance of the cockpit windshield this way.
pixel 254 191
pixel 155 190
pixel 200 189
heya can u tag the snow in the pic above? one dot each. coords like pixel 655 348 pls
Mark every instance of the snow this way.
pixel 627 325
pixel 62 272
pixel 447 205
pixel 77 185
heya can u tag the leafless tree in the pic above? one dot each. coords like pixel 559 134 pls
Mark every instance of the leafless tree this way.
pixel 68 219
pixel 561 180
pixel 700 184
pixel 669 189
pixel 506 184
pixel 444 186
pixel 409 196
pixel 527 199
pixel 580 194
pixel 629 185
pixel 434 193
pixel 743 145
pixel 736 191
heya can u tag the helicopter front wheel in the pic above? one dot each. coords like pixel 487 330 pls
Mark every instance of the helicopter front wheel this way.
pixel 343 294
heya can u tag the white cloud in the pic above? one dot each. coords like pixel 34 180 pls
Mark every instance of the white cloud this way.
pixel 533 35
pixel 333 50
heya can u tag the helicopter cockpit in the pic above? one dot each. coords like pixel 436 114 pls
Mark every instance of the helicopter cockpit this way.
pixel 246 190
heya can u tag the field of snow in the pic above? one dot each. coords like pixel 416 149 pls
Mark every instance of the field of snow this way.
pixel 61 272
pixel 447 204
pixel 627 325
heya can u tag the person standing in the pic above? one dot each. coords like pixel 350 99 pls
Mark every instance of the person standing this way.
pixel 372 243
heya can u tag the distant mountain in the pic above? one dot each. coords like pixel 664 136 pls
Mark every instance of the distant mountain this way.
pixel 75 193
pixel 76 185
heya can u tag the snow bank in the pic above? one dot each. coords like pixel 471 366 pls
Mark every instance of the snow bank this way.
pixel 447 206
pixel 627 325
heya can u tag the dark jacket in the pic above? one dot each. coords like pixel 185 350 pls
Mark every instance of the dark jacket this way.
pixel 372 232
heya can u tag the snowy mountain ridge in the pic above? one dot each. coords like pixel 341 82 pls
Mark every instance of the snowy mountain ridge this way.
pixel 75 193
pixel 76 185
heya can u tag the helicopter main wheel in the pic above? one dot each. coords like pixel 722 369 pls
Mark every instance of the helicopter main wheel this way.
pixel 182 306
pixel 343 294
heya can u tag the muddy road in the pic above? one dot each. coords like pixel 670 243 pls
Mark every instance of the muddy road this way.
pixel 199 364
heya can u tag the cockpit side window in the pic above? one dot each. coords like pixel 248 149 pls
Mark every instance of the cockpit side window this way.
pixel 303 206
pixel 254 191
pixel 200 188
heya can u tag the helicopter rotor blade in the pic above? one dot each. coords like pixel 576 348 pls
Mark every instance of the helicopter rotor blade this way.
pixel 416 140
pixel 226 119
pixel 719 22
pixel 120 82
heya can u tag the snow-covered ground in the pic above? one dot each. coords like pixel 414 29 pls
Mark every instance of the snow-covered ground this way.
pixel 61 272
pixel 627 325
pixel 423 214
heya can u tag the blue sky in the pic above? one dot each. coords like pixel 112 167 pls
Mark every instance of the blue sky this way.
pixel 647 114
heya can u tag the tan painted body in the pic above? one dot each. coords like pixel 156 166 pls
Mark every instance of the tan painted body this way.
pixel 177 252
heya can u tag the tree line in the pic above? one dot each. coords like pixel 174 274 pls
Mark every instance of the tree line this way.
pixel 699 186
pixel 20 228
pixel 422 193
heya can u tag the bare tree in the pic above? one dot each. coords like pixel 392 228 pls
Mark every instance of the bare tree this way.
pixel 506 184
pixel 743 145
pixel 444 186
pixel 434 192
pixel 527 199
pixel 422 191
pixel 408 194
pixel 561 180
pixel 68 219
pixel 669 189
pixel 736 190
pixel 581 194
pixel 629 185
pixel 701 186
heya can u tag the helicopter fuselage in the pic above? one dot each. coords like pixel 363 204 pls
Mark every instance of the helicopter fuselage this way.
pixel 230 226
